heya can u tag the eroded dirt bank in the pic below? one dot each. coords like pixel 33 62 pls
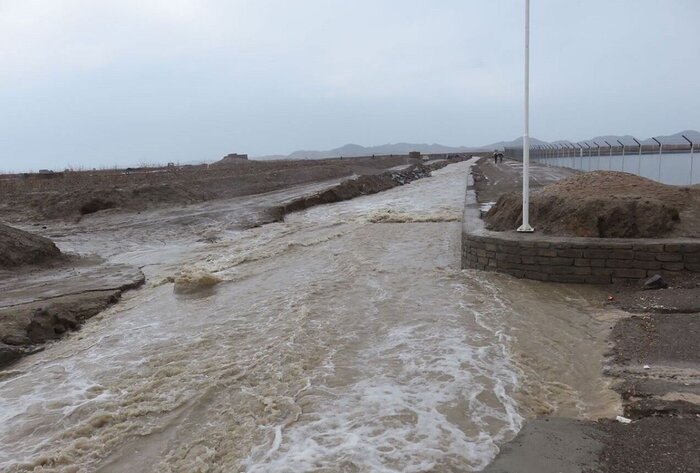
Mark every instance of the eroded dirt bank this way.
pixel 73 194
pixel 363 185
pixel 40 300
pixel 18 248
pixel 40 304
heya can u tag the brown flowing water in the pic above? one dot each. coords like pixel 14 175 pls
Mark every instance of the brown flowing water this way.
pixel 346 338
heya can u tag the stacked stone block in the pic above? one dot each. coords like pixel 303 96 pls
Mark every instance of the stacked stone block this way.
pixel 577 260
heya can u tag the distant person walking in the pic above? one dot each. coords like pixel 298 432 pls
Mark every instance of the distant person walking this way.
pixel 495 156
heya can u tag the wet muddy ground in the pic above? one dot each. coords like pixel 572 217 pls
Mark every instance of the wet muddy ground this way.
pixel 336 339
pixel 653 363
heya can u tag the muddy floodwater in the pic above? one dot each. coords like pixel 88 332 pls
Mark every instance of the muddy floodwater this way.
pixel 346 338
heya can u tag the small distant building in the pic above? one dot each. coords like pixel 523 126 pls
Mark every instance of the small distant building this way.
pixel 234 158
pixel 48 174
pixel 414 154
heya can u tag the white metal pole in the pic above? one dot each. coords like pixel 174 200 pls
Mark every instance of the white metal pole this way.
pixel 690 181
pixel 691 163
pixel 639 163
pixel 660 148
pixel 623 155
pixel 623 158
pixel 581 156
pixel 525 227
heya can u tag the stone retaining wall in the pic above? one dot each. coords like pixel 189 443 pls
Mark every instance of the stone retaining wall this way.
pixel 571 260
pixel 596 262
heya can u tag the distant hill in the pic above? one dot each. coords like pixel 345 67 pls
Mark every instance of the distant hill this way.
pixel 675 139
pixel 353 150
pixel 612 139
pixel 516 143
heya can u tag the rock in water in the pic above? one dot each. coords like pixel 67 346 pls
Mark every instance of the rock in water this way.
pixel 8 354
pixel 191 282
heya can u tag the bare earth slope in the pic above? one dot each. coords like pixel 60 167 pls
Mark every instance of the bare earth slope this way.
pixel 70 195
pixel 19 248
pixel 38 302
pixel 605 204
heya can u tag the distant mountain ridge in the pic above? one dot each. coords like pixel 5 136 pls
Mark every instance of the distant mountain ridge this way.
pixel 675 139
pixel 353 150
pixel 518 142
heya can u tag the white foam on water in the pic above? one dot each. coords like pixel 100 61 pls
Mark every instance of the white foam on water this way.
pixel 431 396
pixel 392 216
pixel 486 206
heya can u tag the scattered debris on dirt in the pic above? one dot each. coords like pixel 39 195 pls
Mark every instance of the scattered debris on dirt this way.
pixel 651 445
pixel 673 294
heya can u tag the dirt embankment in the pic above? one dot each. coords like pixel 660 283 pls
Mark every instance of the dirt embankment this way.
pixel 25 327
pixel 363 185
pixel 71 195
pixel 19 248
pixel 604 204
pixel 40 306
pixel 34 307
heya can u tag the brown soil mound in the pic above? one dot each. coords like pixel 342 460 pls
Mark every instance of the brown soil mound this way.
pixel 86 201
pixel 605 204
pixel 363 185
pixel 73 194
pixel 18 248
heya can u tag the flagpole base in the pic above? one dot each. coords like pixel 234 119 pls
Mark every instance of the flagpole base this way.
pixel 525 229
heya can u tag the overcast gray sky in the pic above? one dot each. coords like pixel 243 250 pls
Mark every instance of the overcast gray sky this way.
pixel 97 83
